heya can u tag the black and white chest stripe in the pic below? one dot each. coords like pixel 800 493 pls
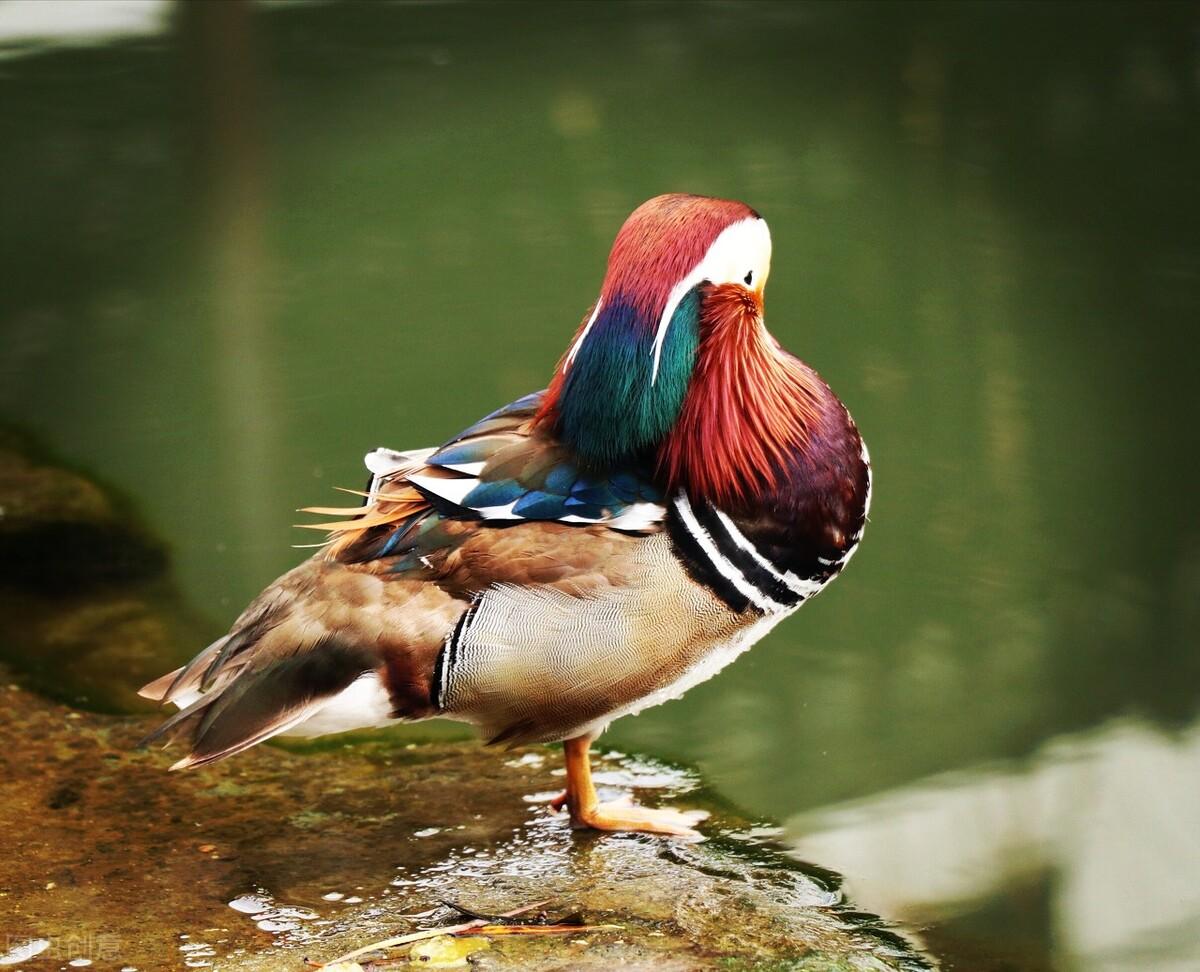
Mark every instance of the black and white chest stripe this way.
pixel 448 656
pixel 718 555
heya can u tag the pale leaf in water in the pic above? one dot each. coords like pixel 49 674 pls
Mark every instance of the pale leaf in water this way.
pixel 446 951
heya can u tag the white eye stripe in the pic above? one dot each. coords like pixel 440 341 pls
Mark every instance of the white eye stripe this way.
pixel 746 243
pixel 584 333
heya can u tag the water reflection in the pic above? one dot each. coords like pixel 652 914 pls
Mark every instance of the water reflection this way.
pixel 233 264
pixel 26 26
pixel 1109 820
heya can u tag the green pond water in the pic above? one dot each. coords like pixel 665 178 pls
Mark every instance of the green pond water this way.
pixel 243 246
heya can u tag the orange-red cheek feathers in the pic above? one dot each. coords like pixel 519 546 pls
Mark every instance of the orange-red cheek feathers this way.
pixel 748 408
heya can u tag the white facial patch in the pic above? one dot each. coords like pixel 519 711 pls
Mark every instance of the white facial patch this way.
pixel 583 334
pixel 742 250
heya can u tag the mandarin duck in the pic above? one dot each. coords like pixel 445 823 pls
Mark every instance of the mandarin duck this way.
pixel 590 550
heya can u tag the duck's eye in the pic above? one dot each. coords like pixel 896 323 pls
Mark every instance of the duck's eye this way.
pixel 749 278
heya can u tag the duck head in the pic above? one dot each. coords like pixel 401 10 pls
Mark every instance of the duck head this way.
pixel 621 386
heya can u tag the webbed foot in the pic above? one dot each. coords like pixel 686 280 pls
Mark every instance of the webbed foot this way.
pixel 625 815
pixel 619 815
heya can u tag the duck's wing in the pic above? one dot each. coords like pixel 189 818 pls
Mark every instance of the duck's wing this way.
pixel 502 471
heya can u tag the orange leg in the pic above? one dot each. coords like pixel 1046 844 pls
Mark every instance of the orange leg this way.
pixel 587 811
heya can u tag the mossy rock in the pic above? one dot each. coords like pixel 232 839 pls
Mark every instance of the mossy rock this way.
pixel 60 529
pixel 324 851
pixel 87 608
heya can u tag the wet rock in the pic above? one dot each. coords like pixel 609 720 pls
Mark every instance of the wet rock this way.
pixel 59 529
pixel 316 853
pixel 87 609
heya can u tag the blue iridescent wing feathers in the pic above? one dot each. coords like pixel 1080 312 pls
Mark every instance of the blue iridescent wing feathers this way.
pixel 502 471
pixel 507 471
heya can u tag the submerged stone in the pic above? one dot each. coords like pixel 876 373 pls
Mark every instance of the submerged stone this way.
pixel 60 529
pixel 87 608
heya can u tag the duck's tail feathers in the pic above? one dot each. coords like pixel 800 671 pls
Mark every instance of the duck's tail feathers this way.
pixel 261 701
pixel 279 664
